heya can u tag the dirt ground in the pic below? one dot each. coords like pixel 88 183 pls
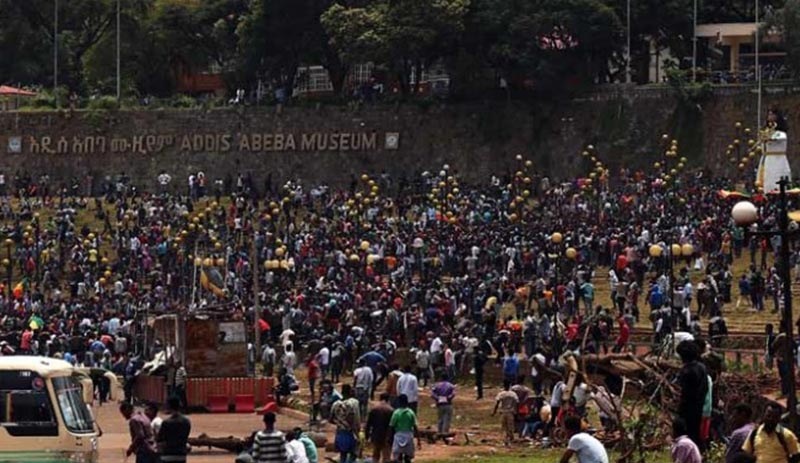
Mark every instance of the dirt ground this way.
pixel 472 421
pixel 116 439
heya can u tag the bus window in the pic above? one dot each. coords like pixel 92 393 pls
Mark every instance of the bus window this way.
pixel 25 408
pixel 28 413
pixel 77 417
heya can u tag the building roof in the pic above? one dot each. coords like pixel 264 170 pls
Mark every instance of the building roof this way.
pixel 5 90
pixel 44 366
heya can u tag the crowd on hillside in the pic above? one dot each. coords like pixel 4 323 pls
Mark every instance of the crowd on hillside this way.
pixel 461 274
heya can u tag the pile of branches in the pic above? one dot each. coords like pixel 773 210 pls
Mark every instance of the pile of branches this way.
pixel 642 411
pixel 649 396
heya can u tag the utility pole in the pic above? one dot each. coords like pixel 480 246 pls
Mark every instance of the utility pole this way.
pixel 628 58
pixel 256 301
pixel 745 214
pixel 119 87
pixel 758 66
pixel 694 43
pixel 55 51
pixel 786 277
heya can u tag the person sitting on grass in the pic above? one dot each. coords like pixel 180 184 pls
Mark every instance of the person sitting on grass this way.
pixel 586 447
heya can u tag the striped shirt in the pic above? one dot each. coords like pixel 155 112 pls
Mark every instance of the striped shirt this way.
pixel 180 377
pixel 269 447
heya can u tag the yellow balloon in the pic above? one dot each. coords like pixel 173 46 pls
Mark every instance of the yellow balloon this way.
pixel 208 262
pixel 364 245
pixel 280 251
pixel 676 249
pixel 556 237
pixel 220 262
pixel 571 253
pixel 655 250
pixel 687 250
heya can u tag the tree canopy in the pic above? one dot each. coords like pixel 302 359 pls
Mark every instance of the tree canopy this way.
pixel 537 45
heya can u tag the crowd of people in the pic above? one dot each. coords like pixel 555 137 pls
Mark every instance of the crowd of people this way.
pixel 458 274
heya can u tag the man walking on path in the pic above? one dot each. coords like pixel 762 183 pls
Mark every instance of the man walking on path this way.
pixel 142 442
pixel 377 430
pixel 173 435
pixel 507 403
pixel 443 394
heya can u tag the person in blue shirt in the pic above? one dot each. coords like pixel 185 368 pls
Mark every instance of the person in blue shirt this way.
pixel 510 369
pixel 656 298
pixel 372 359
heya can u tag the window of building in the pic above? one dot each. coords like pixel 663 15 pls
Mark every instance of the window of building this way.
pixel 313 79
pixel 361 73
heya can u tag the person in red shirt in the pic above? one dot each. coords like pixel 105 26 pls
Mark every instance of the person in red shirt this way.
pixel 313 375
pixel 624 335
pixel 572 329
pixel 25 342
pixel 263 329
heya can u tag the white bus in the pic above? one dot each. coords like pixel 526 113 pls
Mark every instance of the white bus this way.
pixel 43 415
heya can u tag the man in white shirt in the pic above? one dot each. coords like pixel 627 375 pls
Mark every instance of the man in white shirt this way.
pixel 584 446
pixel 407 384
pixel 363 378
pixel 295 450
pixel 436 352
pixel 286 337
pixel 324 359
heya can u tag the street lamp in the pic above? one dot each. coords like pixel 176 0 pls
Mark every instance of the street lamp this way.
pixel 556 238
pixel 10 267
pixel 745 214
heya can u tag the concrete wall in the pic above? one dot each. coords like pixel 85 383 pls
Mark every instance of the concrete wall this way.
pixel 624 123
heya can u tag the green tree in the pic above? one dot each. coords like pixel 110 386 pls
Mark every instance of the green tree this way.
pixel 26 53
pixel 786 23
pixel 82 24
pixel 547 42
pixel 403 35
pixel 162 38
pixel 666 24
pixel 278 36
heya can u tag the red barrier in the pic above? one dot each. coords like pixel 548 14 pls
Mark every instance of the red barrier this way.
pixel 150 389
pixel 199 390
pixel 244 403
pixel 217 404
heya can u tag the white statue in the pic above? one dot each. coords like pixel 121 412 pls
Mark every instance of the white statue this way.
pixel 774 163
